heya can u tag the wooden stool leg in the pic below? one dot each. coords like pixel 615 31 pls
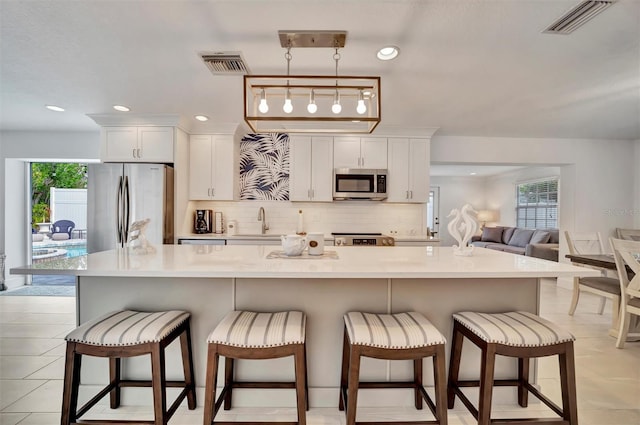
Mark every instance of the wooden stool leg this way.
pixel 71 385
pixel 568 384
pixel 454 365
pixel 187 366
pixel 486 384
pixel 210 384
pixel 301 384
pixel 417 381
pixel 440 385
pixel 523 378
pixel 354 378
pixel 229 364
pixel 159 383
pixel 114 377
pixel 345 369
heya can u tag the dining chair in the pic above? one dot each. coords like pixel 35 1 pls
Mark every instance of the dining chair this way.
pixel 628 234
pixel 602 286
pixel 627 255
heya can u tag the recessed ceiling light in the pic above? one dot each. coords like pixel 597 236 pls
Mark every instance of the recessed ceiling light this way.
pixel 387 53
pixel 121 108
pixel 54 108
pixel 201 117
pixel 473 174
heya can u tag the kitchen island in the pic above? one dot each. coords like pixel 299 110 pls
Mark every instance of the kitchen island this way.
pixel 210 280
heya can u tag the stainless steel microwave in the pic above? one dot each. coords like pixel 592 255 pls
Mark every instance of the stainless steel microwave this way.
pixel 359 183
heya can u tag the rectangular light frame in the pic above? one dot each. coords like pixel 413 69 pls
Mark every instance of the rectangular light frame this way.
pixel 300 120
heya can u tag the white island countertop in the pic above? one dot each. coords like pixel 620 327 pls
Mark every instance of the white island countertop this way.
pixel 207 261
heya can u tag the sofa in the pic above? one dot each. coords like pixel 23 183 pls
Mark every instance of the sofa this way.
pixel 539 243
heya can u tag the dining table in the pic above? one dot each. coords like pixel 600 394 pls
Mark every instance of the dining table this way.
pixel 608 262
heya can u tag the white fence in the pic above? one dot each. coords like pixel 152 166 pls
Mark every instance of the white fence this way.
pixel 69 204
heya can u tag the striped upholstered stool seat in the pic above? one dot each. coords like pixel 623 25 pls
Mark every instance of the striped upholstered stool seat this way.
pixel 401 336
pixel 514 334
pixel 127 334
pixel 253 335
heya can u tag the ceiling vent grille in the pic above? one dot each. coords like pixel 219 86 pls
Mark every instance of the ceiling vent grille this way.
pixel 578 16
pixel 225 63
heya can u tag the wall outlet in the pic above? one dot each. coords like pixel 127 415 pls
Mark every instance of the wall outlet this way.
pixel 393 233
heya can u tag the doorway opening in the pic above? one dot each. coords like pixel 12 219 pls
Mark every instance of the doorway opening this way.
pixel 58 207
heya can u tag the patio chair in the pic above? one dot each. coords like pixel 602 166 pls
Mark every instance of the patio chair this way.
pixel 61 230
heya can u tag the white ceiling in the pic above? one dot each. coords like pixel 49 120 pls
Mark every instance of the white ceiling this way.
pixel 469 67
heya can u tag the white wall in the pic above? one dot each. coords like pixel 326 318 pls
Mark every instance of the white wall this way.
pixel 596 177
pixel 500 190
pixel 636 190
pixel 454 193
pixel 17 148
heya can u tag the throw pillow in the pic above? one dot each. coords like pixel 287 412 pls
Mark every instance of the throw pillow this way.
pixel 540 236
pixel 507 234
pixel 491 234
pixel 521 237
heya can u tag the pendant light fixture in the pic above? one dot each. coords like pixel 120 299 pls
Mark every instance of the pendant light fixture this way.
pixel 312 107
pixel 334 103
pixel 263 107
pixel 288 106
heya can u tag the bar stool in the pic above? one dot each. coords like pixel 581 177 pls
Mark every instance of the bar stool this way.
pixel 123 334
pixel 402 336
pixel 251 335
pixel 513 334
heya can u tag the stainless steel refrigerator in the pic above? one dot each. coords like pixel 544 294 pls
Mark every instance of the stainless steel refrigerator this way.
pixel 120 194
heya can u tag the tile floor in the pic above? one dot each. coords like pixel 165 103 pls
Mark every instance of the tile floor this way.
pixel 32 350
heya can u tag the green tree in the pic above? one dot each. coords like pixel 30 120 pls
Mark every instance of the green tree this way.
pixel 45 175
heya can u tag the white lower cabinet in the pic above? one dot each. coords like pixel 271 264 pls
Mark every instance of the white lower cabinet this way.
pixel 408 162
pixel 311 169
pixel 211 167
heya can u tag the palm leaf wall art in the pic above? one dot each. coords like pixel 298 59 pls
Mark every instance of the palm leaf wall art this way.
pixel 264 167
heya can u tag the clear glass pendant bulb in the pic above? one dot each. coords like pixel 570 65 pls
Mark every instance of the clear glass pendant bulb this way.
pixel 287 107
pixel 361 108
pixel 263 107
pixel 312 107
pixel 336 108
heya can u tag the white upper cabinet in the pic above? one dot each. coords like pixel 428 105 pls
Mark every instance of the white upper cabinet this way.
pixel 211 167
pixel 408 179
pixel 311 168
pixel 137 144
pixel 357 152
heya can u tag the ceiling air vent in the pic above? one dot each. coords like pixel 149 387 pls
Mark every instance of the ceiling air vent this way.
pixel 225 63
pixel 577 16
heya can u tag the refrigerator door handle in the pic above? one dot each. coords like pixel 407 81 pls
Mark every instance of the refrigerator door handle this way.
pixel 119 212
pixel 127 200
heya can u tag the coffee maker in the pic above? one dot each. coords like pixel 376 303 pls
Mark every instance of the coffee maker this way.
pixel 203 221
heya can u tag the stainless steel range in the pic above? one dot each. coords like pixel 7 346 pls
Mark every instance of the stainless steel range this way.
pixel 363 239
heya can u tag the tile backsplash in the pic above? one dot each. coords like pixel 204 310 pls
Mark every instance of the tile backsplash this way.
pixel 347 216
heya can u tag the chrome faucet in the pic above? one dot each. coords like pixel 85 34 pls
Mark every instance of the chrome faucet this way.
pixel 263 218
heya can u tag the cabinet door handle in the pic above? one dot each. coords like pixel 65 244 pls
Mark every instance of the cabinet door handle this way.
pixel 362 161
pixel 313 193
pixel 213 192
pixel 133 153
pixel 411 194
pixel 139 156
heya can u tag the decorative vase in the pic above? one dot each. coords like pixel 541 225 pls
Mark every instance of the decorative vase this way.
pixel 462 227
